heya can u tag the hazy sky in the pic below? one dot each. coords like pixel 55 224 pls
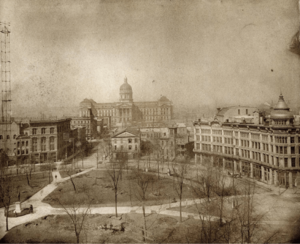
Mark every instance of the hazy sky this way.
pixel 209 52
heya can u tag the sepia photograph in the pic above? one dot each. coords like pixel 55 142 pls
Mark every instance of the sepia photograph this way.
pixel 150 121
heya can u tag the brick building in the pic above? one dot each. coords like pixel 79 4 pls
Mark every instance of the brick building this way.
pixel 46 139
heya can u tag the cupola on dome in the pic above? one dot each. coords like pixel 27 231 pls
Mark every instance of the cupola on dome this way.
pixel 281 111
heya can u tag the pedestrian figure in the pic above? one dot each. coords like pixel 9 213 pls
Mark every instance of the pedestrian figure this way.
pixel 31 209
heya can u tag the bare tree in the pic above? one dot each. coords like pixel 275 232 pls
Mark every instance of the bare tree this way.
pixel 179 175
pixel 248 220
pixel 6 195
pixel 115 173
pixel 142 182
pixel 71 179
pixel 78 216
pixel 220 191
pixel 98 155
pixel 49 161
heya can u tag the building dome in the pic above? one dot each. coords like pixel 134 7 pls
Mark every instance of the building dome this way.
pixel 163 99
pixel 125 87
pixel 125 92
pixel 281 111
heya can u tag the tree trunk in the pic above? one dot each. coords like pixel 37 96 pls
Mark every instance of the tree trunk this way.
pixel 221 212
pixel 27 177
pixel 77 237
pixel 145 227
pixel 7 210
pixel 73 184
pixel 180 208
pixel 116 200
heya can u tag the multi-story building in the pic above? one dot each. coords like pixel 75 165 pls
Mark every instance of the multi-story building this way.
pixel 88 121
pixel 9 132
pixel 127 112
pixel 126 143
pixel 267 151
pixel 49 139
pixel 162 139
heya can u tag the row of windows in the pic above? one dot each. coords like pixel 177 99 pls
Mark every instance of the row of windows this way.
pixel 205 131
pixel 217 139
pixel 23 143
pixel 217 148
pixel 22 151
pixel 130 147
pixel 254 136
pixel 245 153
pixel 130 140
pixel 227 132
pixel 147 118
pixel 244 143
pixel 81 121
pixel 205 138
pixel 8 137
pixel 43 131
pixel 244 135
pixel 43 144
pixel 281 122
pixel 206 147
pixel 257 156
pixel 228 150
pixel 217 132
pixel 228 140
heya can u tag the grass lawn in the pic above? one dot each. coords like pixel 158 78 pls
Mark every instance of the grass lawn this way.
pixel 19 184
pixel 97 185
pixel 67 173
pixel 59 229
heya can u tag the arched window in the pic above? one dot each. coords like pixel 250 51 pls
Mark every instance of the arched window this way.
pixel 8 137
pixel 51 130
pixel 34 131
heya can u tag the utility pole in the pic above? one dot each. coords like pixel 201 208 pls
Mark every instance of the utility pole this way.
pixel 5 84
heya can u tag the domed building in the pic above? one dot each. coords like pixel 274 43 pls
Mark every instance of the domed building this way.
pixel 126 112
pixel 268 151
